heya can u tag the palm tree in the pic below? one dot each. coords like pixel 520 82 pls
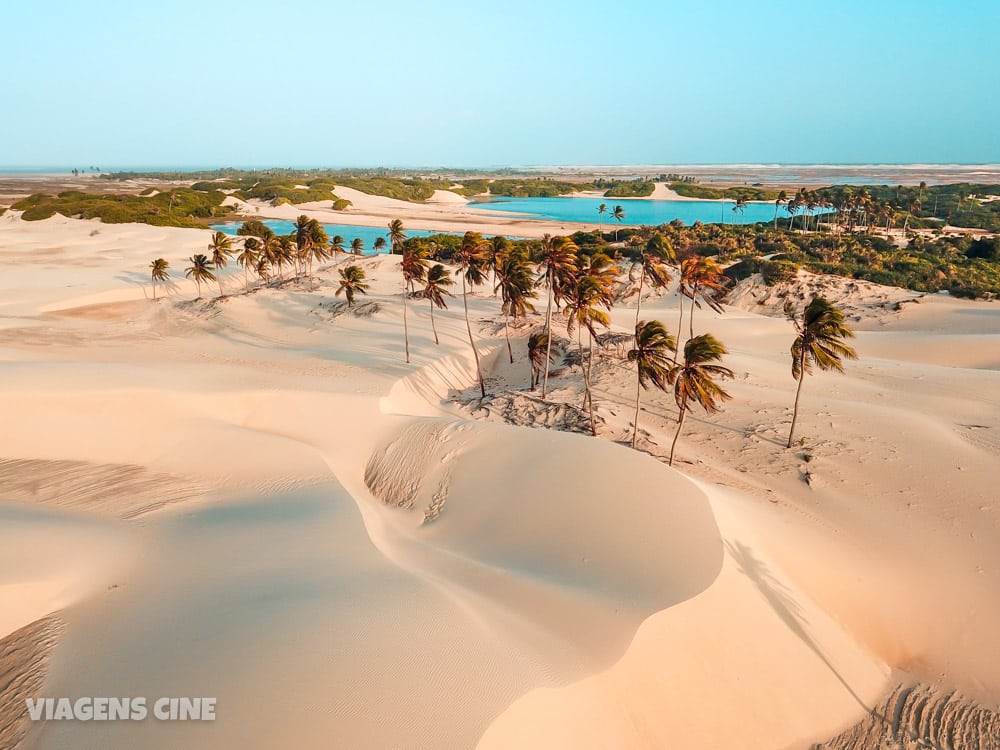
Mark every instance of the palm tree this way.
pixel 379 244
pixel 221 247
pixel 538 346
pixel 694 379
pixel 652 262
pixel 558 263
pixel 740 207
pixel 352 281
pixel 358 245
pixel 820 341
pixel 397 236
pixel 248 258
pixel 471 267
pixel 436 289
pixel 158 272
pixel 200 270
pixel 782 198
pixel 582 311
pixel 495 254
pixel 336 245
pixel 414 267
pixel 601 210
pixel 652 342
pixel 706 281
pixel 618 214
pixel 271 251
pixel 516 285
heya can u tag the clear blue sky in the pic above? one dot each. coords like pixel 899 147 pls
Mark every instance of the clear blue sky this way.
pixel 477 83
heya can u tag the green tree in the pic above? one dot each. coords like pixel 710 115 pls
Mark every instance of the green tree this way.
pixel 601 210
pixel 158 272
pixel 414 268
pixel 652 267
pixel 352 281
pixel 358 246
pixel 586 298
pixel 248 258
pixel 379 244
pixel 538 353
pixel 200 270
pixel 694 379
pixel 435 290
pixel 820 333
pixel 618 214
pixel 221 247
pixel 652 355
pixel 516 285
pixel 471 258
pixel 558 267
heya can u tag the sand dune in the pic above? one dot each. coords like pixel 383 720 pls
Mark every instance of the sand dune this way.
pixel 255 498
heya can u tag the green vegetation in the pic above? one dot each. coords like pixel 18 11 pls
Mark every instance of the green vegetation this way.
pixel 535 188
pixel 630 189
pixel 341 204
pixel 690 190
pixel 181 207
pixel 209 185
pixel 403 190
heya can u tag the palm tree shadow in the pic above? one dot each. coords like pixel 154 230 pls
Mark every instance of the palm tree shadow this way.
pixel 779 597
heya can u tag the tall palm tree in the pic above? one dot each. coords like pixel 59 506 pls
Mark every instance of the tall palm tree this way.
pixel 516 285
pixel 379 244
pixel 336 245
pixel 601 210
pixel 271 251
pixel 781 199
pixel 583 311
pixel 397 235
pixel 694 379
pixel 358 246
pixel 819 341
pixel 436 289
pixel 248 258
pixel 158 272
pixel 652 262
pixel 495 254
pixel 414 267
pixel 618 214
pixel 652 344
pixel 200 270
pixel 558 265
pixel 538 347
pixel 221 247
pixel 352 281
pixel 471 257
pixel 705 283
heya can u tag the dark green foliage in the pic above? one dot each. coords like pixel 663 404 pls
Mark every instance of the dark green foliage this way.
pixel 534 188
pixel 254 228
pixel 340 204
pixel 181 207
pixel 206 186
pixel 630 189
pixel 690 190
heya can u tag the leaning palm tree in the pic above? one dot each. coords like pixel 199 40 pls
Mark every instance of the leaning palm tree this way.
pixel 706 283
pixel 352 281
pixel 538 348
pixel 158 272
pixel 435 290
pixel 694 379
pixel 558 265
pixel 200 270
pixel 379 244
pixel 652 356
pixel 221 247
pixel 248 258
pixel 414 267
pixel 397 235
pixel 471 258
pixel 820 341
pixel 496 251
pixel 601 210
pixel 781 199
pixel 336 245
pixel 516 285
pixel 618 214
pixel 358 246
pixel 583 311
pixel 652 262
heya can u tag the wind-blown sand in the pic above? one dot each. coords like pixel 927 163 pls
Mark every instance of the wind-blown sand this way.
pixel 256 499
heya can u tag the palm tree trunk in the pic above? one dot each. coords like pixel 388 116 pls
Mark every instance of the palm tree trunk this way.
pixel 691 315
pixel 406 329
pixel 638 300
pixel 219 280
pixel 776 216
pixel 680 325
pixel 680 424
pixel 590 362
pixel 798 392
pixel 154 289
pixel 548 342
pixel 472 343
pixel 506 332
pixel 635 422
pixel 434 327
pixel 246 279
pixel 586 387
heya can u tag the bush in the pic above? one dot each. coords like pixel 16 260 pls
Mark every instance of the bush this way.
pixel 341 204
pixel 630 189
pixel 180 207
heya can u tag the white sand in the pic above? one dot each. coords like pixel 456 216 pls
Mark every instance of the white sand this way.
pixel 568 592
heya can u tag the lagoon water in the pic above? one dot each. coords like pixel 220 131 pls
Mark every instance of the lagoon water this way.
pixel 637 211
